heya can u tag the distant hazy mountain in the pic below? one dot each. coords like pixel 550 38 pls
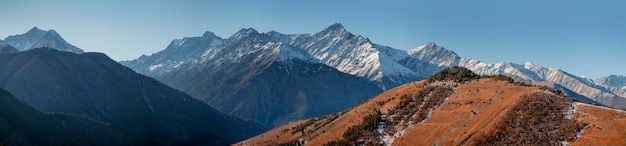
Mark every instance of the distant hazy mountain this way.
pixel 36 38
pixel 6 48
pixel 21 124
pixel 617 81
pixel 179 51
pixel 226 67
pixel 94 86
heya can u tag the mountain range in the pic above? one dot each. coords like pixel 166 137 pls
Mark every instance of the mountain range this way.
pixel 201 67
pixel 270 78
pixel 139 109
pixel 253 77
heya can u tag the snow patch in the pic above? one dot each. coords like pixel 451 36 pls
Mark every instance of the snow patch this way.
pixel 287 53
pixel 153 67
pixel 178 64
pixel 571 110
pixel 430 112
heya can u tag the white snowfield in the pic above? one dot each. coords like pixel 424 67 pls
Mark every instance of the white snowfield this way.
pixel 356 55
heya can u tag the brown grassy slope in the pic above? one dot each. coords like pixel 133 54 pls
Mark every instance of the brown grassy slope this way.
pixel 463 118
pixel 608 126
pixel 336 128
pixel 473 108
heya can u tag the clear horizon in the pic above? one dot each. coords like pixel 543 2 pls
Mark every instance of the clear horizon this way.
pixel 582 38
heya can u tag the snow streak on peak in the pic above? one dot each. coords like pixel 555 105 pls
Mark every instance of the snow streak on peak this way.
pixel 434 54
pixel 287 53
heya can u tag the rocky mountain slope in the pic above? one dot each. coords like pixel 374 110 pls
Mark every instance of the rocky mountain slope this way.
pixel 456 108
pixel 6 48
pixel 37 38
pixel 94 86
pixel 617 81
pixel 251 76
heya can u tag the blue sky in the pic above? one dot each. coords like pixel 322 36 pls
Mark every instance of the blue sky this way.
pixel 586 38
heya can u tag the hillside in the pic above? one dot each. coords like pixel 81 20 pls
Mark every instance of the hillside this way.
pixel 491 110
pixel 94 86
pixel 21 124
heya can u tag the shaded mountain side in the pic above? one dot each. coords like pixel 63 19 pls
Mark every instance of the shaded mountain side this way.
pixel 94 86
pixel 277 92
pixel 37 38
pixel 425 113
pixel 21 124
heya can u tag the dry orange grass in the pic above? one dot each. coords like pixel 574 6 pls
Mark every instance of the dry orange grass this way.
pixel 608 126
pixel 335 129
pixel 464 117
pixel 473 108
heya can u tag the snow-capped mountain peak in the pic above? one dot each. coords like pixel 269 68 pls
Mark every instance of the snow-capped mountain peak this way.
pixel 430 45
pixel 243 33
pixel 434 54
pixel 336 27
pixel 335 31
pixel 35 31
pixel 36 38
pixel 208 34
pixel 529 65
pixel 618 81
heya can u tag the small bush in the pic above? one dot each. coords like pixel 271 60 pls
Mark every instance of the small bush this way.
pixel 456 74
pixel 499 78
pixel 366 128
